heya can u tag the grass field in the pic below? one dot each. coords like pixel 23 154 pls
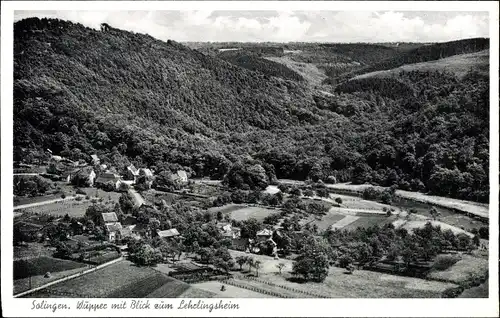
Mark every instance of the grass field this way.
pixel 458 64
pixel 410 225
pixel 41 265
pixel 467 268
pixel 241 212
pixel 214 287
pixel 120 280
pixel 328 220
pixel 364 284
pixel 193 292
pixel 353 202
pixel 29 200
pixel 31 250
pixel 367 221
pixel 72 208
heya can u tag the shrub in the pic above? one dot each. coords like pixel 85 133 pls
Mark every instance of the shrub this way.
pixel 443 262
pixel 338 200
pixel 79 198
pixel 80 191
pixel 452 292
pixel 63 196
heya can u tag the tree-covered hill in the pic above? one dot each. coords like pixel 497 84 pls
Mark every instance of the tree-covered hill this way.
pixel 253 62
pixel 424 53
pixel 131 98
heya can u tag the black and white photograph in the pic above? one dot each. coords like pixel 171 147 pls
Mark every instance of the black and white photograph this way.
pixel 260 154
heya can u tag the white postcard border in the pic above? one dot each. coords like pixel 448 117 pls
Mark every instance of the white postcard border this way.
pixel 251 307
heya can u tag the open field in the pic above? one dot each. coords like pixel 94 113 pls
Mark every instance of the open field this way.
pixel 410 225
pixel 474 208
pixel 364 284
pixel 193 292
pixel 41 265
pixel 120 280
pixel 31 250
pixel 241 212
pixel 346 220
pixel 23 284
pixel 71 207
pixel 353 202
pixel 101 283
pixel 463 270
pixel 308 71
pixel 460 65
pixel 31 200
pixel 328 220
pixel 213 287
pixel 367 221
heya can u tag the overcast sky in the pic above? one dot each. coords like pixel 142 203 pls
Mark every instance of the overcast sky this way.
pixel 282 26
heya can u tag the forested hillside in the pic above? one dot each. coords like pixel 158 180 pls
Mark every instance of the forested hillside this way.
pixel 253 62
pixel 131 98
pixel 420 54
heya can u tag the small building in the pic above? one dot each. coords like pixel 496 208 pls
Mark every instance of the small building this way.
pixel 264 235
pixel 110 178
pixel 95 159
pixel 113 230
pixel 132 173
pixel 182 176
pixel 168 233
pixel 86 176
pixel 228 231
pixel 239 244
pixel 145 176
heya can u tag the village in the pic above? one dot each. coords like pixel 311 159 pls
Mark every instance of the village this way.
pixel 78 221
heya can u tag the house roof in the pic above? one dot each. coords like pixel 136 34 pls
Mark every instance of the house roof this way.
pixel 94 157
pixel 265 232
pixel 133 170
pixel 145 171
pixel 182 174
pixel 109 217
pixel 168 233
pixel 114 227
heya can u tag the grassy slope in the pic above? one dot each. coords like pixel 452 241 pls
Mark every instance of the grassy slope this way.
pixel 460 65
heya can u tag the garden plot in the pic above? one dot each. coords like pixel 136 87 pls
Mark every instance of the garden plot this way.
pixel 464 270
pixel 348 219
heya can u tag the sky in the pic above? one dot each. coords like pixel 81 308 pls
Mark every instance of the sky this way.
pixel 285 26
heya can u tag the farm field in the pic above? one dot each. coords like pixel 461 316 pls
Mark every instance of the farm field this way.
pixel 37 267
pixel 421 223
pixel 463 270
pixel 241 212
pixel 364 284
pixel 71 207
pixel 120 280
pixel 214 287
pixel 328 220
pixel 31 250
pixel 367 221
pixel 29 200
pixel 353 202
pixel 41 265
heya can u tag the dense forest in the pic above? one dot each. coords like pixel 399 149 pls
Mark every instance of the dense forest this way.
pixel 133 99
pixel 253 62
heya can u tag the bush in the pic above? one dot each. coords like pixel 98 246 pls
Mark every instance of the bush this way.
pixel 443 262
pixel 63 196
pixel 452 292
pixel 80 191
pixel 338 200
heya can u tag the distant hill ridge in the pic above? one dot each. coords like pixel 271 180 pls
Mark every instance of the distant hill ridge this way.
pixel 425 53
